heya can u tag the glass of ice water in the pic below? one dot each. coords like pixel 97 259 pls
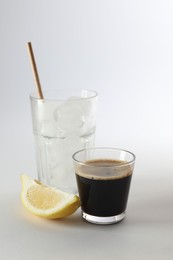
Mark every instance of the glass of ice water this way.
pixel 63 123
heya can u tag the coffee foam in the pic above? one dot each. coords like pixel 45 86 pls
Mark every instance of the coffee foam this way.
pixel 104 169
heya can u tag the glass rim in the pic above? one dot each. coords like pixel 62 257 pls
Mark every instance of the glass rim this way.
pixel 33 95
pixel 108 149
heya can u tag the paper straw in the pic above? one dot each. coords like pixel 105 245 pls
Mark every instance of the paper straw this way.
pixel 35 71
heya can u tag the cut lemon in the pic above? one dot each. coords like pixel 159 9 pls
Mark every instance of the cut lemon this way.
pixel 45 201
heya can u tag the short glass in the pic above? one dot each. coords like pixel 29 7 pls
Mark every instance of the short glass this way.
pixel 63 122
pixel 103 177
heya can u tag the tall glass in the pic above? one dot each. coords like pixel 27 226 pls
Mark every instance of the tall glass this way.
pixel 64 122
pixel 103 176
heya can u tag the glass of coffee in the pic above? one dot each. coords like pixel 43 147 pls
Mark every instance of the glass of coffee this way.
pixel 103 177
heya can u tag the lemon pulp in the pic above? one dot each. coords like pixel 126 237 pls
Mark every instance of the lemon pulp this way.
pixel 45 201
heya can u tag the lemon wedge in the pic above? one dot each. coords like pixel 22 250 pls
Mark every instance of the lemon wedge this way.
pixel 45 201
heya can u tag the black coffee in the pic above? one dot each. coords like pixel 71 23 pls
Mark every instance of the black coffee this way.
pixel 104 193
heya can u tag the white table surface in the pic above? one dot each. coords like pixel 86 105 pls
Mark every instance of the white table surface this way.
pixel 145 233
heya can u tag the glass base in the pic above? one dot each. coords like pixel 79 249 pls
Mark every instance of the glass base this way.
pixel 103 220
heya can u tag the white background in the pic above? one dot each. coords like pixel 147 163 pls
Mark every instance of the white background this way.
pixel 123 50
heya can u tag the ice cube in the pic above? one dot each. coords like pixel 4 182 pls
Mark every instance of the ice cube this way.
pixel 55 152
pixel 70 115
pixel 88 108
pixel 73 144
pixel 47 128
pixel 59 176
pixel 44 118
pixel 45 110
pixel 44 121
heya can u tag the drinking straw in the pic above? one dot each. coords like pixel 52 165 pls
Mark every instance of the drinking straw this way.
pixel 35 71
